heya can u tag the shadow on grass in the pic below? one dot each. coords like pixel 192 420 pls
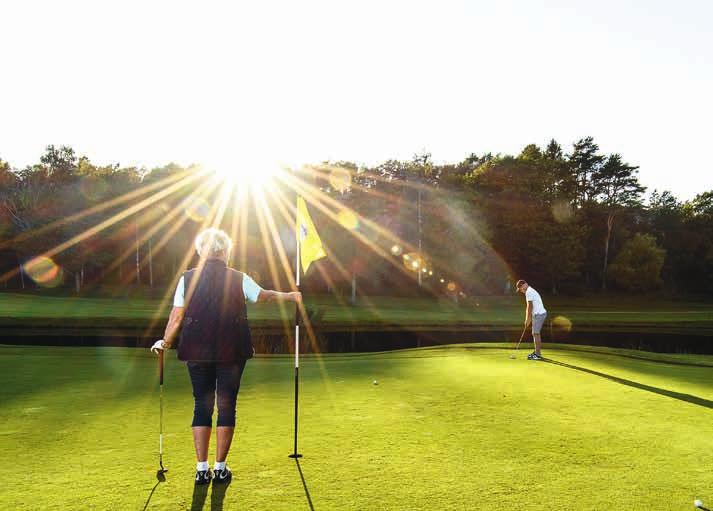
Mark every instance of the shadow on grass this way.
pixel 688 398
pixel 304 484
pixel 217 496
pixel 148 500
pixel 200 492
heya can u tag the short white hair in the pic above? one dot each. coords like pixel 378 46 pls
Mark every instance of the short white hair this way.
pixel 213 243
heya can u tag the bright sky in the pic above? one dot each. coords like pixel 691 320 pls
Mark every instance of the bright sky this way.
pixel 148 82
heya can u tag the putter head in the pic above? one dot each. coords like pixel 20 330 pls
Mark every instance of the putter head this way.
pixel 161 472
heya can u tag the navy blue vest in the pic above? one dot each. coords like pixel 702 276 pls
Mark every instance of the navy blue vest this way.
pixel 215 322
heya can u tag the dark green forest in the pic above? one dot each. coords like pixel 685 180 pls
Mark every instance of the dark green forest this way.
pixel 569 220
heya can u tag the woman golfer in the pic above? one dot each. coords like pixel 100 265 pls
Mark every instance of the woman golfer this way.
pixel 215 343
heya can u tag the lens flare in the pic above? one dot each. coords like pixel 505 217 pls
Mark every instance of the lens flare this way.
pixel 396 250
pixel 411 261
pixel 196 208
pixel 43 271
pixel 562 211
pixel 348 219
pixel 417 263
pixel 340 179
pixel 562 324
pixel 414 262
pixel 451 286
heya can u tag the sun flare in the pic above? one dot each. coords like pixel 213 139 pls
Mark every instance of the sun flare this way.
pixel 240 171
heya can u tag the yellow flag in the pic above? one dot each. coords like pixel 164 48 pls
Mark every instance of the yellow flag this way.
pixel 310 244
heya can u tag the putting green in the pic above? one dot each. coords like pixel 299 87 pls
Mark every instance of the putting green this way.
pixel 460 427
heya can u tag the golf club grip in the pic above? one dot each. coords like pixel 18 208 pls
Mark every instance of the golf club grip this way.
pixel 160 364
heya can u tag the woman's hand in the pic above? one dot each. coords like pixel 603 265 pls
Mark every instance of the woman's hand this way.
pixel 159 345
pixel 296 296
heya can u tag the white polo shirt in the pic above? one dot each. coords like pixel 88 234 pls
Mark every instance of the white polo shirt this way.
pixel 250 288
pixel 533 296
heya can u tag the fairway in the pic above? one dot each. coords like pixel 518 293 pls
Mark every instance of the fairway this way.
pixel 457 427
pixel 75 316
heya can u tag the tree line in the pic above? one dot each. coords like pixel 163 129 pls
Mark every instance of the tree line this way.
pixel 569 221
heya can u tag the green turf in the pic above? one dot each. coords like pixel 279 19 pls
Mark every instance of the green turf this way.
pixel 77 315
pixel 449 428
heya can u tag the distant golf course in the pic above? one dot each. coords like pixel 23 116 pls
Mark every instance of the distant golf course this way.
pixel 455 427
pixel 71 315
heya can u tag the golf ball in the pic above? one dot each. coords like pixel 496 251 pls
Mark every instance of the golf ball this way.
pixel 698 503
pixel 375 382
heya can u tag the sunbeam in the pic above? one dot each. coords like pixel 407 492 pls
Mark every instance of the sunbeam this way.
pixel 92 231
pixel 94 209
pixel 176 212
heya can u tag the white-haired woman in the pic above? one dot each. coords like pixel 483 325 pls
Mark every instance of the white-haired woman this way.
pixel 215 343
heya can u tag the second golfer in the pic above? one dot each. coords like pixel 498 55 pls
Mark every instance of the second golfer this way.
pixel 535 314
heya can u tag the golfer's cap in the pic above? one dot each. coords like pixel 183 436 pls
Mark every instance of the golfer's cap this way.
pixel 519 284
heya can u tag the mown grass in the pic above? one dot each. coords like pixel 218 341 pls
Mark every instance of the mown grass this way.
pixel 460 427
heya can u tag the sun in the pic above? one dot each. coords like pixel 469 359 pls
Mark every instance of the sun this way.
pixel 241 171
pixel 245 173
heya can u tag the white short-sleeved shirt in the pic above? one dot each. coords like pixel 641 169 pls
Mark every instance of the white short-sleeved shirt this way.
pixel 250 288
pixel 533 296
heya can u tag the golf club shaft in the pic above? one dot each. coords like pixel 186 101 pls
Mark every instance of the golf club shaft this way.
pixel 522 335
pixel 160 362
pixel 160 420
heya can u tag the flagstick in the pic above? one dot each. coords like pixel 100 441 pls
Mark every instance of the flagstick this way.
pixel 294 454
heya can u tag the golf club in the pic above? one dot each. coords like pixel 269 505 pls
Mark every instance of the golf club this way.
pixel 518 342
pixel 160 473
